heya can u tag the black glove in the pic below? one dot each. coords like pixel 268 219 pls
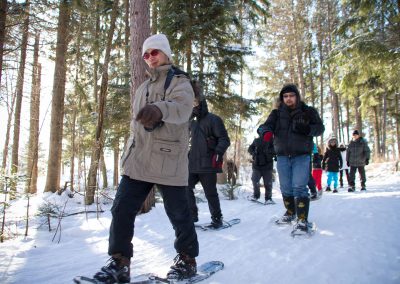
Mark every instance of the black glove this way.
pixel 348 164
pixel 150 116
pixel 367 161
pixel 301 126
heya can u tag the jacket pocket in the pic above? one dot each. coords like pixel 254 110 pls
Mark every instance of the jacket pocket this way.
pixel 129 146
pixel 164 159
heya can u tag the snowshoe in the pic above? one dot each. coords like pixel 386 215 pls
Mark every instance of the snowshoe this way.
pixel 286 219
pixel 116 271
pixel 269 201
pixel 184 267
pixel 303 227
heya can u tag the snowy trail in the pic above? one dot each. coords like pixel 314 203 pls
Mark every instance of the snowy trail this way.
pixel 356 242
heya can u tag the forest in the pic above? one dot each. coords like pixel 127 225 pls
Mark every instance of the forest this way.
pixel 69 70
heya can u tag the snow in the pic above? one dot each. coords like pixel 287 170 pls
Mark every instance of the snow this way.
pixel 357 240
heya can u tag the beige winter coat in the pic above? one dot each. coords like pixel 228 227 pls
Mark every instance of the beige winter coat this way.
pixel 161 156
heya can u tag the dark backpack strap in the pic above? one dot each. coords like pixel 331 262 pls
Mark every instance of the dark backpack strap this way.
pixel 171 73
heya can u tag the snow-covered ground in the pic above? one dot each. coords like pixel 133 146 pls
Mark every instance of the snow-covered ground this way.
pixel 357 240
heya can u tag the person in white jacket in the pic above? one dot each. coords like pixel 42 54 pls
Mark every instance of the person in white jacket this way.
pixel 345 167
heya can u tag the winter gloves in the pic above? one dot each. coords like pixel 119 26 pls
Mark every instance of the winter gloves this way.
pixel 217 160
pixel 150 116
pixel 301 126
pixel 367 161
pixel 267 136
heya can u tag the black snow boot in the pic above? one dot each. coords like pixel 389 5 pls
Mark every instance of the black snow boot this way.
pixel 290 213
pixel 216 222
pixel 116 271
pixel 184 267
pixel 302 208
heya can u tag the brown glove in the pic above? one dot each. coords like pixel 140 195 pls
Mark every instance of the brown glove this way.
pixel 150 116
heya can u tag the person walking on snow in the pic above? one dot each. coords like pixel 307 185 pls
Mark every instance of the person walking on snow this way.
pixel 332 162
pixel 357 157
pixel 263 163
pixel 345 167
pixel 156 154
pixel 209 141
pixel 317 169
pixel 293 125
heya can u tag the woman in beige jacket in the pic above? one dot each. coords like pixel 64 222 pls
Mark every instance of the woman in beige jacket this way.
pixel 156 153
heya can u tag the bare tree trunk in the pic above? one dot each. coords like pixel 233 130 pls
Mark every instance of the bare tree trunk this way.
pixel 348 119
pixel 57 105
pixel 299 50
pixel 7 138
pixel 357 111
pixel 96 56
pixel 140 30
pixel 73 150
pixel 98 143
pixel 77 95
pixel 116 164
pixel 19 92
pixel 377 145
pixel 397 117
pixel 201 59
pixel 33 144
pixel 103 168
pixel 384 124
pixel 312 86
pixel 154 16
pixel 3 16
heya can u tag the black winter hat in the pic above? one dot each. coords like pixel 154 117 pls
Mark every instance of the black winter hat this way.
pixel 289 88
pixel 355 132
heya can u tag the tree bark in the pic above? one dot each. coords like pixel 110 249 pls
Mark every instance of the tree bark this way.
pixel 384 124
pixel 33 144
pixel 357 111
pixel 154 16
pixel 376 133
pixel 98 143
pixel 397 117
pixel 140 30
pixel 57 105
pixel 3 17
pixel 116 164
pixel 19 95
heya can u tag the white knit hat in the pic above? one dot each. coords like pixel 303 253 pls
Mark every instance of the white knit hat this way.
pixel 158 41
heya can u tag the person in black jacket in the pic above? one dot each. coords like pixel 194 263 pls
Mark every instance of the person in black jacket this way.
pixel 332 162
pixel 209 141
pixel 358 154
pixel 263 163
pixel 293 125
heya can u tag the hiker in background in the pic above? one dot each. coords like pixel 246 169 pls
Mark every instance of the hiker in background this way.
pixel 332 162
pixel 232 172
pixel 345 168
pixel 317 168
pixel 209 142
pixel 357 157
pixel 263 154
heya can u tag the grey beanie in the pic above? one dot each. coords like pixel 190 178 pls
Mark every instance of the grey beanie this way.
pixel 157 41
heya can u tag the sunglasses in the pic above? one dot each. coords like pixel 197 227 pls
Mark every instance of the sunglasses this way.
pixel 153 53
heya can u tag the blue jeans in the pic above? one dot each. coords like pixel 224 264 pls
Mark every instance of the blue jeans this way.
pixel 294 173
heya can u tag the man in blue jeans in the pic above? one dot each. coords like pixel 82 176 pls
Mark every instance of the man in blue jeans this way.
pixel 293 125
